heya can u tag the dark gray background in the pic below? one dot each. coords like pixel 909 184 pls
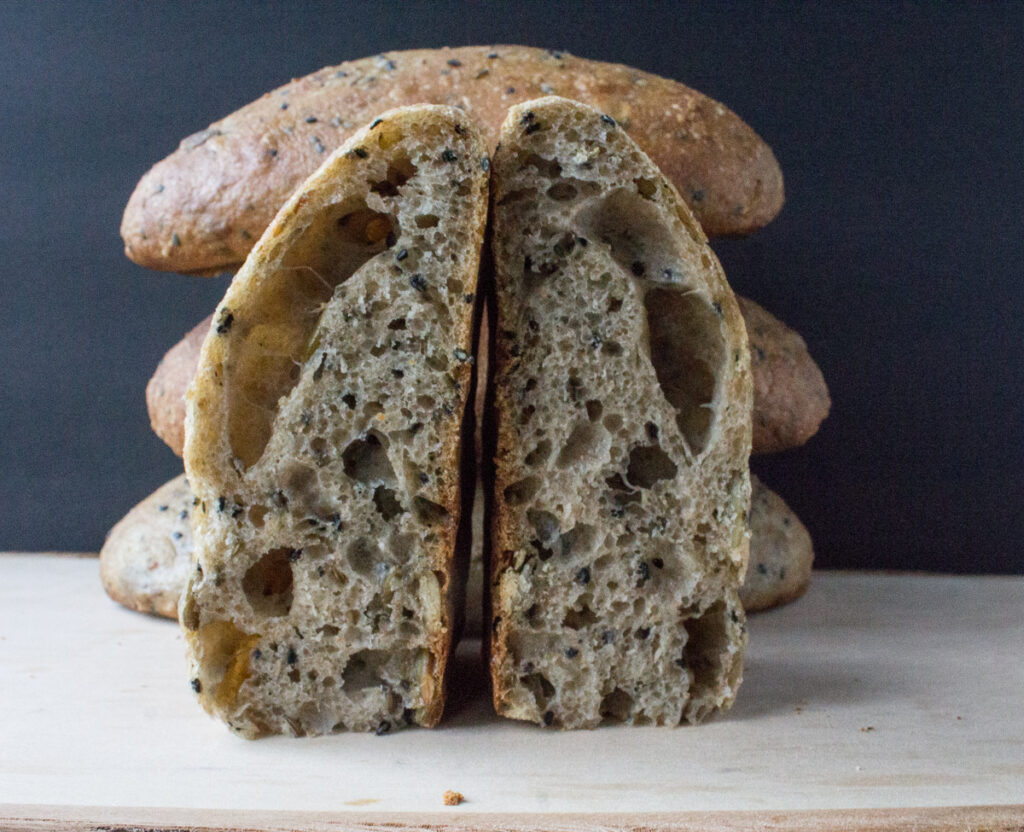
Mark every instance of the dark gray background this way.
pixel 900 131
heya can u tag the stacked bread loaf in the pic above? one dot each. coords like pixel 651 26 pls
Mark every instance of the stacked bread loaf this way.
pixel 203 208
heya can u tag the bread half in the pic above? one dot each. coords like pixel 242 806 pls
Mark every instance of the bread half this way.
pixel 325 430
pixel 622 399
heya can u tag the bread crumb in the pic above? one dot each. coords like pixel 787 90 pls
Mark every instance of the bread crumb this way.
pixel 453 798
pixel 867 728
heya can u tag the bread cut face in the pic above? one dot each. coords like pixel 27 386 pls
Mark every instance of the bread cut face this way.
pixel 324 436
pixel 622 399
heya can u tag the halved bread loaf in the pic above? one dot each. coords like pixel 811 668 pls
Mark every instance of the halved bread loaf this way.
pixel 790 395
pixel 622 398
pixel 325 430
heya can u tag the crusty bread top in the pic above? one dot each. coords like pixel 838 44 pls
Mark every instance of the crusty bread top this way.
pixel 790 396
pixel 165 392
pixel 203 207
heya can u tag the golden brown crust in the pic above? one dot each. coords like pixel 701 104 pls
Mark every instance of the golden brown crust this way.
pixel 781 552
pixel 165 393
pixel 203 207
pixel 790 395
pixel 144 561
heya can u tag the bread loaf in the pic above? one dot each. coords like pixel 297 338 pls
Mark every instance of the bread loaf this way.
pixel 790 396
pixel 622 399
pixel 203 207
pixel 326 428
pixel 781 554
pixel 144 562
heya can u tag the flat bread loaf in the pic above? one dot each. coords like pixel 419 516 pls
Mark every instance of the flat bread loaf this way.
pixel 203 207
pixel 144 562
pixel 326 434
pixel 622 400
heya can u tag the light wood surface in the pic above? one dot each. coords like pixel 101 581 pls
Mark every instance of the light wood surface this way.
pixel 874 692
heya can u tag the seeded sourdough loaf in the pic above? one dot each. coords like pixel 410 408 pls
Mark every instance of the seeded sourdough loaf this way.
pixel 144 562
pixel 622 399
pixel 326 428
pixel 790 396
pixel 781 554
pixel 203 207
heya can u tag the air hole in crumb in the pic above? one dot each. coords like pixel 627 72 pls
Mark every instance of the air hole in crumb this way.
pixel 426 220
pixel 707 642
pixel 647 188
pixel 539 455
pixel 540 687
pixel 587 445
pixel 268 583
pixel 614 304
pixel 617 705
pixel 688 351
pixel 397 324
pixel 429 512
pixel 612 348
pixel 594 409
pixel 578 619
pixel 613 421
pixel 562 192
pixel 256 515
pixel 579 540
pixel 647 465
pixel 270 350
pixel 363 669
pixel 522 491
pixel 544 523
pixel 366 461
pixel 363 554
pixel 386 502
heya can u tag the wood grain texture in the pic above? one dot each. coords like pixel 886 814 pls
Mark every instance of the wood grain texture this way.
pixel 98 713
pixel 960 818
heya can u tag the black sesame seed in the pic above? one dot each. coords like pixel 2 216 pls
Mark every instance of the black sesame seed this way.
pixel 658 562
pixel 292 657
pixel 294 555
pixel 533 128
pixel 735 616
pixel 607 119
pixel 197 686
pixel 492 55
pixel 468 298
pixel 424 478
pixel 361 152
pixel 311 119
pixel 717 307
pixel 762 569
pixel 376 122
pixel 418 283
pixel 526 119
pixel 161 508
pixel 221 503
pixel 681 662
pixel 175 240
pixel 272 151
pixel 284 106
pixel 383 728
pixel 583 575
pixel 485 163
pixel 549 717
pixel 608 636
pixel 510 91
pixel 638 268
pixel 183 515
pixel 448 155
pixel 402 254
pixel 644 570
pixel 643 632
pixel 571 652
pixel 454 62
pixel 652 430
pixel 225 323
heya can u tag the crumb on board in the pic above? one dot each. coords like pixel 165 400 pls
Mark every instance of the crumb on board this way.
pixel 452 798
pixel 867 728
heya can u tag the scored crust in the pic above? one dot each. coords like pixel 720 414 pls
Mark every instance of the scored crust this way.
pixel 622 398
pixel 324 441
pixel 203 207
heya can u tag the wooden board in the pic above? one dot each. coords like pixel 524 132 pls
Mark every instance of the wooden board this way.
pixel 874 692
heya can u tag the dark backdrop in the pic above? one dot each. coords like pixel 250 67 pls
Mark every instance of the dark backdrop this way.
pixel 900 131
